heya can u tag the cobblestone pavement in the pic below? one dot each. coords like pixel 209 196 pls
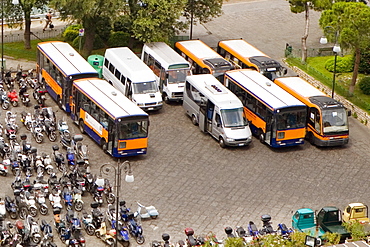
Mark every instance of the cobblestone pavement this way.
pixel 195 183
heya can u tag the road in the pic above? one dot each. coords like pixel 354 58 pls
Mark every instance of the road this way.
pixel 195 183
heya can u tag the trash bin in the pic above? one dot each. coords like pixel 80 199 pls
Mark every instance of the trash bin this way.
pixel 97 62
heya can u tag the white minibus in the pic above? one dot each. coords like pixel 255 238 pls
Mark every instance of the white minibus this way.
pixel 216 110
pixel 170 68
pixel 126 72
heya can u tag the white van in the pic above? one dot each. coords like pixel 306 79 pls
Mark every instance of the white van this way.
pixel 126 72
pixel 216 110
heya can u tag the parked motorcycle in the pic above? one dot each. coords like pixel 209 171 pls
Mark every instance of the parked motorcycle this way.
pixel 121 231
pixel 39 96
pixel 9 81
pixel 64 129
pixel 106 236
pixel 55 200
pixel 191 240
pixel 30 202
pixel 241 233
pixel 135 229
pixel 26 119
pixel 68 199
pixel 71 159
pixel 266 225
pixel 146 212
pixel 49 128
pixel 47 231
pixel 58 158
pixel 3 170
pixel 40 198
pixel 4 99
pixel 87 221
pixel 25 97
pixel 36 131
pixel 2 210
pixel 13 97
pixel 47 164
pixel 33 230
pixel 11 207
pixel 252 228
pixel 78 204
pixel 283 230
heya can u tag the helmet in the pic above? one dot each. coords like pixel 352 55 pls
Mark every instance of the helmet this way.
pixel 53 175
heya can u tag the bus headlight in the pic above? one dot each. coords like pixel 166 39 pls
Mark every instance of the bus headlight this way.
pixel 140 104
pixel 230 139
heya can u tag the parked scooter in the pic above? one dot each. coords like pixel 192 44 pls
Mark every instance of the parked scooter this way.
pixel 284 231
pixel 252 228
pixel 78 204
pixel 58 158
pixel 266 225
pixel 87 221
pixel 49 128
pixel 4 99
pixel 135 229
pixel 241 233
pixel 121 231
pixel 26 119
pixel 39 96
pixel 47 231
pixel 55 200
pixel 25 97
pixel 106 236
pixel 191 240
pixel 33 229
pixel 3 170
pixel 2 209
pixel 146 212
pixel 64 129
pixel 36 131
pixel 13 97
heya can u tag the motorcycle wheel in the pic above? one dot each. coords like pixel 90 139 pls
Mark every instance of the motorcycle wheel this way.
pixel 125 243
pixel 13 215
pixel 140 239
pixel 110 241
pixel 52 136
pixel 39 139
pixel 78 206
pixel 5 105
pixel 23 212
pixel 36 239
pixel 49 171
pixel 154 216
pixel 29 126
pixel 15 103
pixel 62 167
pixel 33 212
pixel 69 207
pixel 97 234
pixel 90 230
pixel 111 198
pixel 44 210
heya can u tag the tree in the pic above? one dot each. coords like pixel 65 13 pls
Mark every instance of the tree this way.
pixel 202 11
pixel 156 20
pixel 351 21
pixel 299 6
pixel 16 14
pixel 89 14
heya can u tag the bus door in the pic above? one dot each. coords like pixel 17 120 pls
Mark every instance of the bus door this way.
pixel 112 141
pixel 66 85
pixel 72 104
pixel 202 121
pixel 217 128
pixel 270 129
pixel 128 89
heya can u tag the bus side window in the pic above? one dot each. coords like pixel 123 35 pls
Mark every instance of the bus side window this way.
pixel 317 122
pixel 123 80
pixel 106 63
pixel 111 68
pixel 218 120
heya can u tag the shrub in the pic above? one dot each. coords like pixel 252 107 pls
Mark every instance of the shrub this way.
pixel 364 85
pixel 71 32
pixel 98 43
pixel 365 61
pixel 118 39
pixel 344 64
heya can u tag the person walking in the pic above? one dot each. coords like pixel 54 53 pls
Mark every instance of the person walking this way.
pixel 48 21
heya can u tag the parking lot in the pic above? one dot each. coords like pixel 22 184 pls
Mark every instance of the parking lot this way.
pixel 195 183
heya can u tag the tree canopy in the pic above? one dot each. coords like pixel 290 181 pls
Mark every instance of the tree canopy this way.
pixel 350 21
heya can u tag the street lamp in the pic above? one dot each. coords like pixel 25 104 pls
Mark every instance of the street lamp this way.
pixel 129 178
pixel 336 50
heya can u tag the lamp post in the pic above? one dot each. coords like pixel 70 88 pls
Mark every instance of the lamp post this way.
pixel 336 50
pixel 129 178
pixel 2 40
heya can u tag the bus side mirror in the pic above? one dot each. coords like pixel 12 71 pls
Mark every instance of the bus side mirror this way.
pixel 349 113
pixel 285 71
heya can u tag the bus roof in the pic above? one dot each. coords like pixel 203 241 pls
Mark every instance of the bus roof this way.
pixel 263 88
pixel 129 64
pixel 306 92
pixel 241 47
pixel 248 54
pixel 166 56
pixel 111 100
pixel 66 58
pixel 202 54
pixel 210 87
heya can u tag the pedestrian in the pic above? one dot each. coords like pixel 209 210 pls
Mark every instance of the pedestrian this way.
pixel 48 21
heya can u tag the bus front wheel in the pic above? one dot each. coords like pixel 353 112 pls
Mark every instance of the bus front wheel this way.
pixel 104 146
pixel 221 141
pixel 261 136
pixel 194 120
pixel 165 98
pixel 81 126
pixel 60 103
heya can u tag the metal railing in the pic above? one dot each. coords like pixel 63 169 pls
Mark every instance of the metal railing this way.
pixel 19 36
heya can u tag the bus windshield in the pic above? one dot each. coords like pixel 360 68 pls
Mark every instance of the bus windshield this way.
pixel 291 120
pixel 132 129
pixel 334 120
pixel 145 87
pixel 177 76
pixel 233 118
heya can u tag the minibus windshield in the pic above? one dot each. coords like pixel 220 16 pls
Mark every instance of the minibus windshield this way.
pixel 177 76
pixel 145 87
pixel 233 117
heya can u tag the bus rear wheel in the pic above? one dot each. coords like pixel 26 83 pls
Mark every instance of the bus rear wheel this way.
pixel 81 126
pixel 60 103
pixel 261 136
pixel 104 146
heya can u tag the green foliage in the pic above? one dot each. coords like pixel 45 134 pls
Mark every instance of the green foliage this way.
pixel 365 61
pixel 234 242
pixel 299 6
pixel 297 239
pixel 356 229
pixel 118 39
pixel 331 238
pixel 364 85
pixel 70 35
pixel 344 64
pixel 203 11
pixel 158 21
pixel 98 42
